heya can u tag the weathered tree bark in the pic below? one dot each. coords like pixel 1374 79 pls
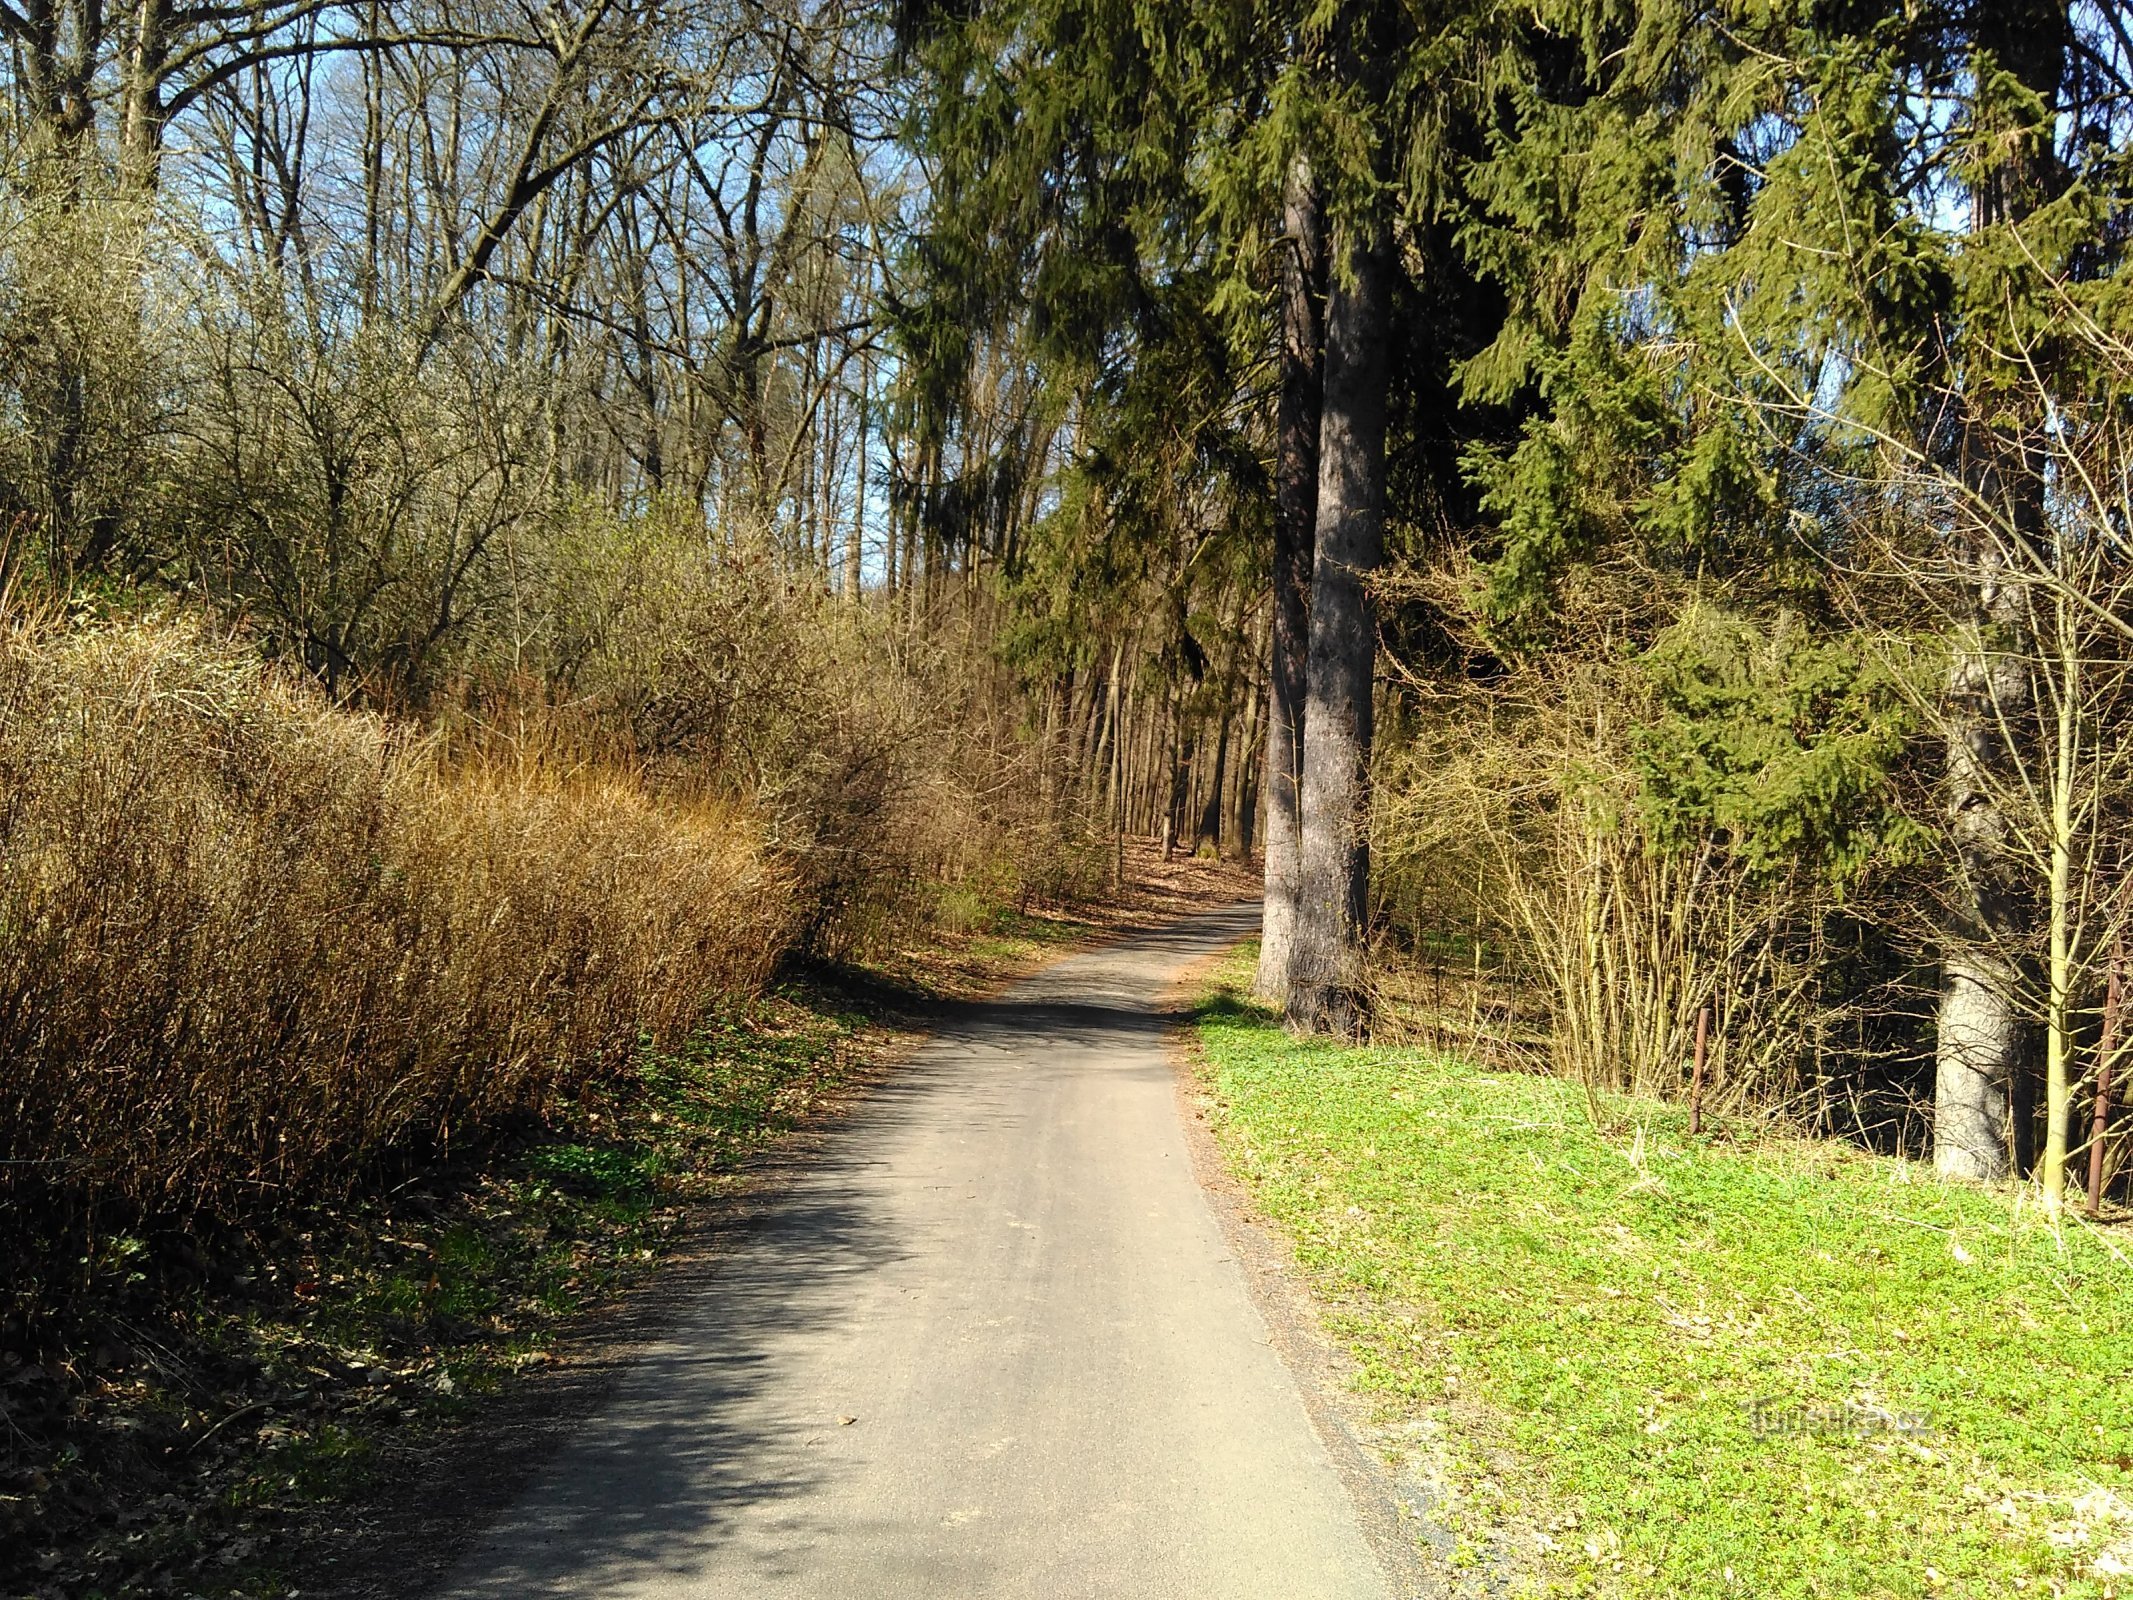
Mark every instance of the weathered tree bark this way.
pixel 1326 988
pixel 1983 1037
pixel 1303 275
pixel 1985 1032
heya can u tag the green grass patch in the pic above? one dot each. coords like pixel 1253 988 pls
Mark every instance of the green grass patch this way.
pixel 1587 1318
pixel 325 1465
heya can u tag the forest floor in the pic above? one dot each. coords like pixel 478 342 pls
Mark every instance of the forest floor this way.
pixel 282 1423
pixel 1625 1361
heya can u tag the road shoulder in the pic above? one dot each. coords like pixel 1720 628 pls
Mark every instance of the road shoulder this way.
pixel 1388 1471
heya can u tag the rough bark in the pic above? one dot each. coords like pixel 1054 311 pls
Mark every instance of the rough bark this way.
pixel 1981 1040
pixel 1303 271
pixel 1985 1036
pixel 1326 987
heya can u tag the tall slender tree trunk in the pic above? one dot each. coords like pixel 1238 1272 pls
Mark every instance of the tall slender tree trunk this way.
pixel 1296 467
pixel 2063 914
pixel 1184 773
pixel 1089 742
pixel 1209 829
pixel 1325 977
pixel 1245 823
pixel 892 517
pixel 1118 764
pixel 855 549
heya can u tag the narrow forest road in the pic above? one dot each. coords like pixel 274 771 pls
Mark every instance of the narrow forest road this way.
pixel 992 1343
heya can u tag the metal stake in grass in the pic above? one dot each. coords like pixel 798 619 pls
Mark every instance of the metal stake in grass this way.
pixel 2106 1047
pixel 1703 1034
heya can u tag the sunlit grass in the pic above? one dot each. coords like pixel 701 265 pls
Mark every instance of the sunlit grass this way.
pixel 1587 1313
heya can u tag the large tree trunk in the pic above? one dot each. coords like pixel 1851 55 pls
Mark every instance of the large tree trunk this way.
pixel 1986 1032
pixel 1983 1039
pixel 1303 273
pixel 1326 992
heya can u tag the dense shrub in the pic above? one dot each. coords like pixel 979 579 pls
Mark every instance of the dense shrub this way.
pixel 895 783
pixel 250 942
pixel 1583 851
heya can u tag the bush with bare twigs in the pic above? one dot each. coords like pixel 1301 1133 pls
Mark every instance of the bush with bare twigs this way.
pixel 887 762
pixel 1579 854
pixel 252 944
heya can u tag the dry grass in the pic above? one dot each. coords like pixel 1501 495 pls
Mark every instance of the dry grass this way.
pixel 258 950
pixel 251 944
pixel 888 758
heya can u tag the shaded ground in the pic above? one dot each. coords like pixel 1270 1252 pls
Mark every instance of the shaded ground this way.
pixel 316 1409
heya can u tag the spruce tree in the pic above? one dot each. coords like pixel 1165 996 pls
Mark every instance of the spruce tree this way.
pixel 1085 150
pixel 1759 257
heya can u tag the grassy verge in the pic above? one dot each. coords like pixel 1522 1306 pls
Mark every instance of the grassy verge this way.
pixel 1583 1319
pixel 177 1442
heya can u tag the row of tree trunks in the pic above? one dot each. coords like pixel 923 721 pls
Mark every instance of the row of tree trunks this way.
pixel 1142 755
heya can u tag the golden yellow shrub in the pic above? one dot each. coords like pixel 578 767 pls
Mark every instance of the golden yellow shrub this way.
pixel 250 942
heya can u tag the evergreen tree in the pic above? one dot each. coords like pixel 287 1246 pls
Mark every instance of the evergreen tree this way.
pixel 1091 158
pixel 1757 254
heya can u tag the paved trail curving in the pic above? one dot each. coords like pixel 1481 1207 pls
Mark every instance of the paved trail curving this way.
pixel 1004 1273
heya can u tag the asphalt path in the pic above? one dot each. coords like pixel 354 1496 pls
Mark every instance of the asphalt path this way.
pixel 991 1342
